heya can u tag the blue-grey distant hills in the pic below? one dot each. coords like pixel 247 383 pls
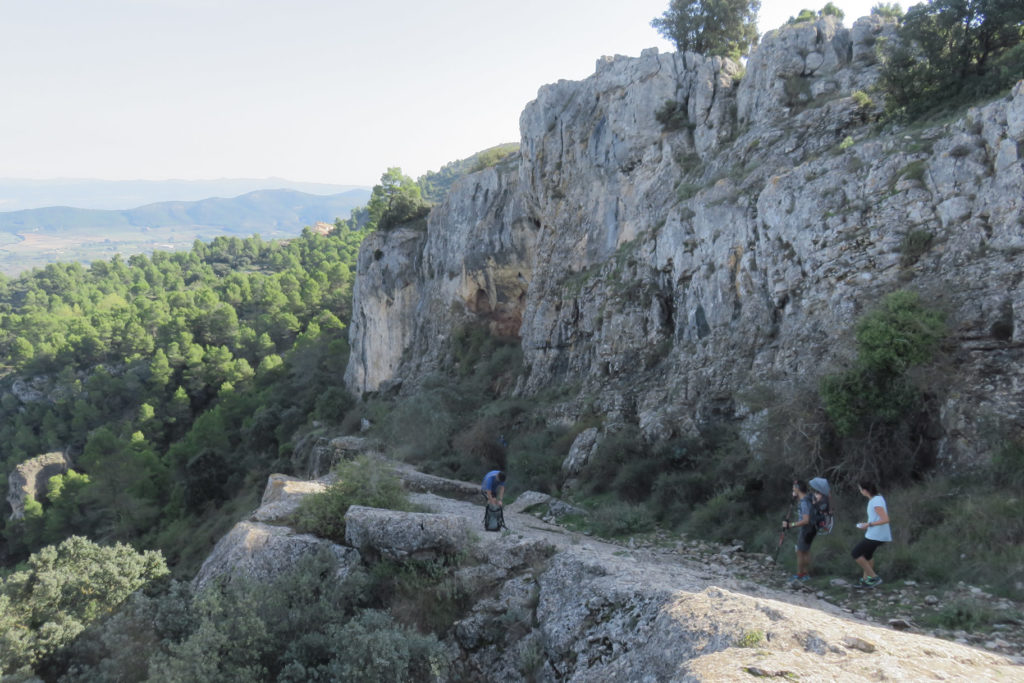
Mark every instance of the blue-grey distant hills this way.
pixel 17 194
pixel 263 211
pixel 35 237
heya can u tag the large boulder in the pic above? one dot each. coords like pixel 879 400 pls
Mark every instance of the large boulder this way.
pixel 400 535
pixel 260 552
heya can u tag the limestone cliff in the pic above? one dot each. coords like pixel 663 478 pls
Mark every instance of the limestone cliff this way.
pixel 671 267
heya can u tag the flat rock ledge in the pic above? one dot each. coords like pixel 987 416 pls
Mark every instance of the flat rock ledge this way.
pixel 283 494
pixel 419 482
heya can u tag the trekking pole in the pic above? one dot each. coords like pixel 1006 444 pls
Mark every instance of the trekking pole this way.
pixel 782 532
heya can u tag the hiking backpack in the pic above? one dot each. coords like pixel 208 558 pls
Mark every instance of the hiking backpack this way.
pixel 494 518
pixel 822 516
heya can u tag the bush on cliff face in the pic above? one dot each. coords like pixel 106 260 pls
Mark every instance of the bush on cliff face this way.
pixel 875 404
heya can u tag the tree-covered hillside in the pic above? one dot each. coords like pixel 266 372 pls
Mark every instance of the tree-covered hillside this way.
pixel 173 381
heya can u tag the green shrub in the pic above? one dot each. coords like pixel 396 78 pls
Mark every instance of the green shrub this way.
pixel 672 116
pixel 425 594
pixel 913 245
pixel 531 660
pixel 963 614
pixel 898 335
pixel 846 144
pixel 804 16
pixel 614 451
pixel 419 426
pixel 371 647
pixel 754 638
pixel 1008 465
pixel 535 458
pixel 493 156
pixel 887 10
pixel 364 481
pixel 303 626
pixel 616 519
pixel 64 589
pixel 333 404
pixel 862 99
pixel 687 191
pixel 723 518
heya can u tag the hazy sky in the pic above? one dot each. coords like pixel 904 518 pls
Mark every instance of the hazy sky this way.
pixel 317 90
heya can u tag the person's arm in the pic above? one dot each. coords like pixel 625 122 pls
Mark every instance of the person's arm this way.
pixel 804 521
pixel 883 516
pixel 501 495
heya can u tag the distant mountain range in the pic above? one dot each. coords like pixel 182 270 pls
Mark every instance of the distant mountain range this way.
pixel 17 194
pixel 263 211
pixel 35 237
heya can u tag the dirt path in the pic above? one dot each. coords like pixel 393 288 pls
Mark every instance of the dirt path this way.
pixel 693 566
pixel 677 568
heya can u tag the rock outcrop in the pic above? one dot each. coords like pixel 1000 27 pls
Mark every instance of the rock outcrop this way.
pixel 29 479
pixel 549 604
pixel 263 546
pixel 404 535
pixel 671 268
pixel 260 552
pixel 283 494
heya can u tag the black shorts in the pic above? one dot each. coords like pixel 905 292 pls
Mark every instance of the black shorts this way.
pixel 866 548
pixel 806 537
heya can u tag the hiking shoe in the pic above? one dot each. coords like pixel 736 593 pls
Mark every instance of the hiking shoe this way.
pixel 799 577
pixel 872 581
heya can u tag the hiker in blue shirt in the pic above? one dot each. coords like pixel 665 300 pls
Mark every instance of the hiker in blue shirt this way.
pixel 807 531
pixel 493 487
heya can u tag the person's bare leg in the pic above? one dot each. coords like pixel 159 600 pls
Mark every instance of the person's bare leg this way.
pixel 867 565
pixel 803 562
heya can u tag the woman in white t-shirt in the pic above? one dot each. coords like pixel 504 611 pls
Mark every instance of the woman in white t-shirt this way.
pixel 877 531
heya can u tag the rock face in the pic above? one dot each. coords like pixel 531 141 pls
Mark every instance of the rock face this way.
pixel 261 547
pixel 672 268
pixel 28 480
pixel 260 552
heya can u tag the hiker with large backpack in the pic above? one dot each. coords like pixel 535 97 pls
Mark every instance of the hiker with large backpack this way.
pixel 493 491
pixel 821 506
pixel 876 532
pixel 807 530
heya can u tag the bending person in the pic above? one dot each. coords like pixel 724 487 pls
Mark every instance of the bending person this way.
pixel 493 487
